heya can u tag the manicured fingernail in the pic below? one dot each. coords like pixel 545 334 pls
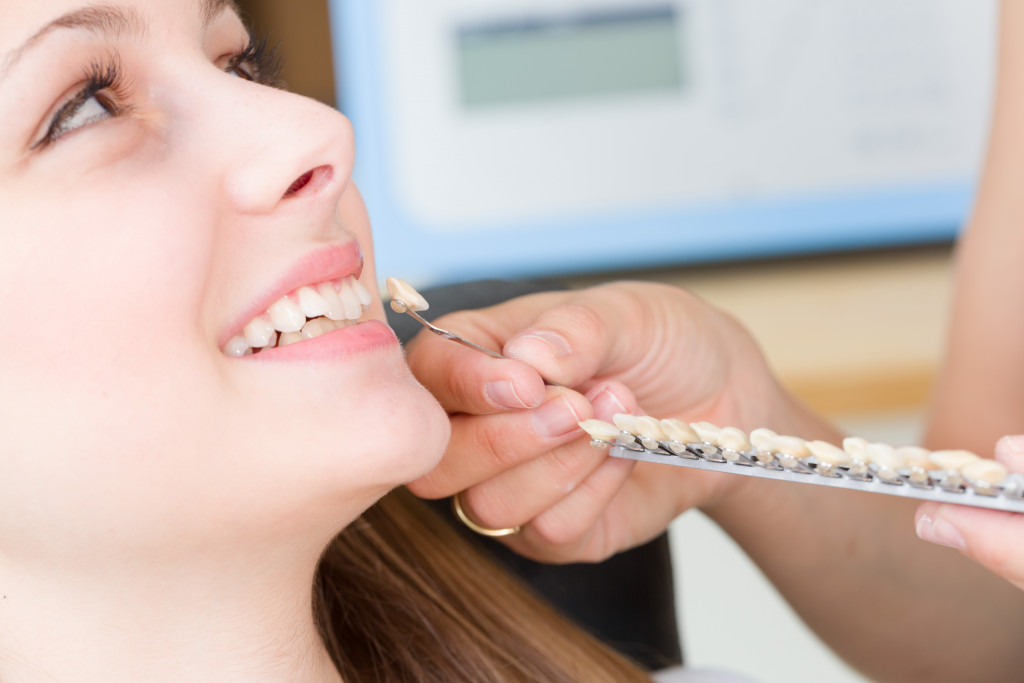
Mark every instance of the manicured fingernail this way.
pixel 555 418
pixel 502 393
pixel 554 344
pixel 940 532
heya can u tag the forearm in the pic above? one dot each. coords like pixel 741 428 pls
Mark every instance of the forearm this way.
pixel 980 394
pixel 893 606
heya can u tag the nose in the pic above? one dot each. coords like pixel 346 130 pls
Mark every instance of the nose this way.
pixel 280 147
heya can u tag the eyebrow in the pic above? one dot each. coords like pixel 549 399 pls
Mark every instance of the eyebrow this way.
pixel 105 20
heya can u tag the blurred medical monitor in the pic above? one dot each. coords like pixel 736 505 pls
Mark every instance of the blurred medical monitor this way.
pixel 506 138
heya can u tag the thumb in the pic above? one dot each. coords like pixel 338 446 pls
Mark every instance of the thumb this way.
pixel 992 538
pixel 599 332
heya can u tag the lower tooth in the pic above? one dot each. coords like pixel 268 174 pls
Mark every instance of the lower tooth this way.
pixel 288 338
pixel 317 327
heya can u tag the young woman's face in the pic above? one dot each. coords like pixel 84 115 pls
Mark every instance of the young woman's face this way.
pixel 156 200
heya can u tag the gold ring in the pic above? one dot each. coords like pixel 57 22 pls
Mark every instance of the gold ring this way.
pixel 482 530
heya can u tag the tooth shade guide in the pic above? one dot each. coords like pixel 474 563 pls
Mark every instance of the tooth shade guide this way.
pixel 871 467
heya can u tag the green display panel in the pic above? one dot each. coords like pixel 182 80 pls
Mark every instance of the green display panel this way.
pixel 570 57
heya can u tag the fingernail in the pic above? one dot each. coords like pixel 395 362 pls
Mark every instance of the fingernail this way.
pixel 555 418
pixel 503 394
pixel 606 404
pixel 940 532
pixel 1014 443
pixel 554 344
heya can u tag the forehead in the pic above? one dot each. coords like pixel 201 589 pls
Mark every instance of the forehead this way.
pixel 22 20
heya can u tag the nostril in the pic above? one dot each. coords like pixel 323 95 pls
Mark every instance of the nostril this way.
pixel 299 183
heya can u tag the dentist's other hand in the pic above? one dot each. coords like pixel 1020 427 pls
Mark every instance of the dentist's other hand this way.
pixel 992 538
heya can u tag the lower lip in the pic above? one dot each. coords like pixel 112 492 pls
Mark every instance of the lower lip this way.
pixel 341 343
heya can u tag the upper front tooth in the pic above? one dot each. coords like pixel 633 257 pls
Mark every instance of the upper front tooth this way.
pixel 260 333
pixel 311 303
pixel 365 298
pixel 350 300
pixel 286 315
pixel 335 309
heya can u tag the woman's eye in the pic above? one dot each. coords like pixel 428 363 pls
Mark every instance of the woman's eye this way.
pixel 97 100
pixel 242 71
pixel 258 62
pixel 92 110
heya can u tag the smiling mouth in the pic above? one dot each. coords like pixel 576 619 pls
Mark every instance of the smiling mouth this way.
pixel 306 313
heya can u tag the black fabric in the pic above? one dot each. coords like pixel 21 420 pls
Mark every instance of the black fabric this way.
pixel 627 601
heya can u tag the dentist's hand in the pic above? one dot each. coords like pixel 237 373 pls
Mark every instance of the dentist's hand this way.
pixel 516 452
pixel 992 538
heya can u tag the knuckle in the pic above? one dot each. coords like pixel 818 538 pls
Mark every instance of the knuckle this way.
pixel 568 466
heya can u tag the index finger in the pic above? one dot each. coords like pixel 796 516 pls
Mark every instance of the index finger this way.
pixel 467 381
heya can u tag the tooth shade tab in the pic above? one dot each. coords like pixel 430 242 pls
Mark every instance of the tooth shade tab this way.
pixel 625 422
pixel 649 428
pixel 599 430
pixel 829 453
pixel 763 439
pixel 404 296
pixel 792 445
pixel 884 455
pixel 707 432
pixel 734 439
pixel 309 312
pixel 856 447
pixel 985 472
pixel 953 459
pixel 678 430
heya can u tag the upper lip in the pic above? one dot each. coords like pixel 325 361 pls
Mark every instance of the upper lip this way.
pixel 331 263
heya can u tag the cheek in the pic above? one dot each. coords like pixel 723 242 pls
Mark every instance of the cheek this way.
pixel 98 293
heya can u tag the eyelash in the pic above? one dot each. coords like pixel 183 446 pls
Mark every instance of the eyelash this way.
pixel 105 82
pixel 259 62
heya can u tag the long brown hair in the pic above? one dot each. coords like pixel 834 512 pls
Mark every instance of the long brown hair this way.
pixel 403 598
